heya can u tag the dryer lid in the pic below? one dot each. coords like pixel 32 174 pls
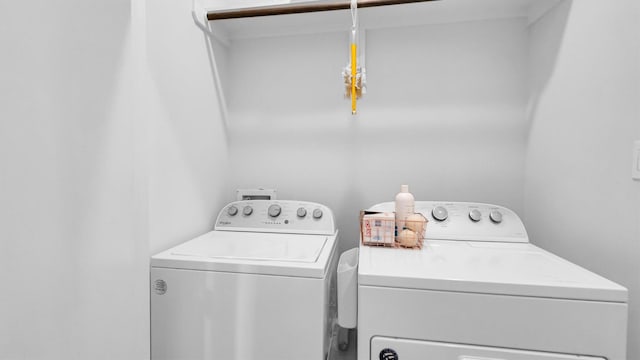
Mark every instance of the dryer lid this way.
pixel 519 269
pixel 261 253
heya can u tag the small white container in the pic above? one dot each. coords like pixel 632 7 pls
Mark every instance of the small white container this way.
pixel 405 206
pixel 348 289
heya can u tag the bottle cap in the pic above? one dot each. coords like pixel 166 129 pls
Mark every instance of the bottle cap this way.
pixel 404 188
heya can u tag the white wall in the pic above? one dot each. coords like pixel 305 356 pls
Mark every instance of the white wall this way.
pixel 111 145
pixel 73 266
pixel 187 137
pixel 580 201
pixel 444 113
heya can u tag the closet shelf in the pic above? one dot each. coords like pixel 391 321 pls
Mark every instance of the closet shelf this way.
pixel 311 17
pixel 300 8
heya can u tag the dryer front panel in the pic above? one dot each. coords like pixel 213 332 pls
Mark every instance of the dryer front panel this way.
pixel 384 348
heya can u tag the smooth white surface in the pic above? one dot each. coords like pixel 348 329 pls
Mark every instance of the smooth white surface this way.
pixel 488 268
pixel 517 322
pixel 254 246
pixel 584 111
pixel 73 264
pixel 256 253
pixel 209 315
pixel 415 350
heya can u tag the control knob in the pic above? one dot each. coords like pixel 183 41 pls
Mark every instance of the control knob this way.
pixel 475 215
pixel 495 216
pixel 440 213
pixel 232 210
pixel 302 212
pixel 317 213
pixel 247 210
pixel 274 210
pixel 388 354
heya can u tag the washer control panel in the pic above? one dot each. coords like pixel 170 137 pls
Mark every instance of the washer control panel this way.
pixel 467 221
pixel 283 216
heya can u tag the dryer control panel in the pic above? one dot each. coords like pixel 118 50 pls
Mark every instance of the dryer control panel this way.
pixel 467 221
pixel 281 216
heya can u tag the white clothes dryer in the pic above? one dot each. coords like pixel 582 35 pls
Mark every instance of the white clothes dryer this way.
pixel 478 290
pixel 260 286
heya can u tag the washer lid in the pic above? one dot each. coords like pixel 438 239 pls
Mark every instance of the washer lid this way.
pixel 520 269
pixel 247 252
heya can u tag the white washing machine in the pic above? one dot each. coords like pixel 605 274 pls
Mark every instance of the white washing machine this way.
pixel 257 287
pixel 478 290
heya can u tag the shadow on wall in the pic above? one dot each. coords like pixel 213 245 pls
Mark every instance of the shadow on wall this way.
pixel 217 61
pixel 542 62
pixel 188 141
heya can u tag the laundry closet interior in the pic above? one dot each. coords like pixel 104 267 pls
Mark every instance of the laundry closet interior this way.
pixel 128 125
